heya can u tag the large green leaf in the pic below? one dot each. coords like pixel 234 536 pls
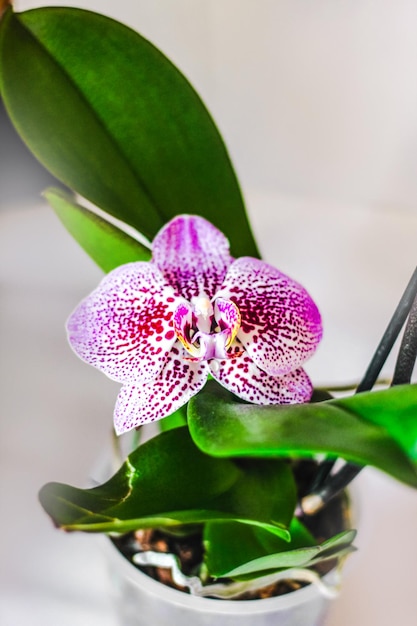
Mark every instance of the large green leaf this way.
pixel 394 409
pixel 169 482
pixel 377 428
pixel 265 493
pixel 175 420
pixel 106 244
pixel 114 120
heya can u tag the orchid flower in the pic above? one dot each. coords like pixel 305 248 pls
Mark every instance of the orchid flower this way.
pixel 162 327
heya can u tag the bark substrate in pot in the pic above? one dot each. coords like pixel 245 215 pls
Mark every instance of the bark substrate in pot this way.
pixel 142 600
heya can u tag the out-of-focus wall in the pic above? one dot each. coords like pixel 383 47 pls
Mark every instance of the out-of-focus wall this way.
pixel 317 103
pixel 314 98
pixel 22 178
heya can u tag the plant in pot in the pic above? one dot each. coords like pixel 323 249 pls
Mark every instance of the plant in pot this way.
pixel 231 502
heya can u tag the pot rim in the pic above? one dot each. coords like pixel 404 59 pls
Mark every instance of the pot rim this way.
pixel 210 605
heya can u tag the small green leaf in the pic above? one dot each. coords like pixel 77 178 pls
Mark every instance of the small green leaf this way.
pixel 106 244
pixel 169 482
pixel 113 119
pixel 298 555
pixel 229 545
pixel 376 428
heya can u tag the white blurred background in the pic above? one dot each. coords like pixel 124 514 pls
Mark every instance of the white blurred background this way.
pixel 317 102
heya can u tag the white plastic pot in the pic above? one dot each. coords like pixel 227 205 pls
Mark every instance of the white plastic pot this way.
pixel 143 601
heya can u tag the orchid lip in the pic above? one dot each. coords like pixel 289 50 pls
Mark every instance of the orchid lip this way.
pixel 206 331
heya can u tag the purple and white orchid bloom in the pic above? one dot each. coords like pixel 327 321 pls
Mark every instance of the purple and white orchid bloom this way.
pixel 162 327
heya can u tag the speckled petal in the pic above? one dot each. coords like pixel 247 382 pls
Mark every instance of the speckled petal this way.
pixel 281 325
pixel 193 255
pixel 176 384
pixel 124 327
pixel 243 378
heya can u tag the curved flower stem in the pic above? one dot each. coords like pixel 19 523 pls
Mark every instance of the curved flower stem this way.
pixel 391 333
pixel 323 472
pixel 325 486
pixel 408 350
pixel 349 386
pixel 313 502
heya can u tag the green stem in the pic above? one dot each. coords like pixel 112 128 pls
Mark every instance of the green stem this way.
pixel 391 333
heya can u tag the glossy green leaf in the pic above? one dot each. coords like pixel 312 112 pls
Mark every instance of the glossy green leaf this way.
pixel 229 545
pixel 394 409
pixel 367 429
pixel 114 120
pixel 105 243
pixel 237 552
pixel 169 482
pixel 265 492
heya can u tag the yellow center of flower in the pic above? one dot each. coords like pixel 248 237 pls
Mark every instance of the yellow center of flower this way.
pixel 207 328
